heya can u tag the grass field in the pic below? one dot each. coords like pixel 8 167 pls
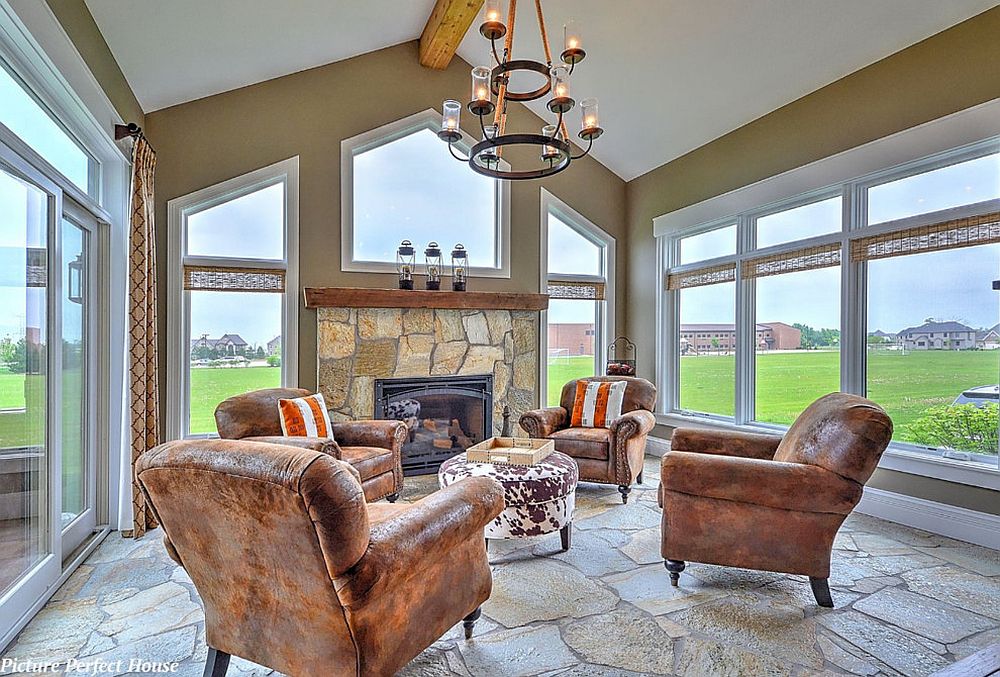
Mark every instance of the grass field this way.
pixel 211 386
pixel 561 370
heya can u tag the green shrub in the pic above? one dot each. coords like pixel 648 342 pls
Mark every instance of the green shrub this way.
pixel 274 360
pixel 959 426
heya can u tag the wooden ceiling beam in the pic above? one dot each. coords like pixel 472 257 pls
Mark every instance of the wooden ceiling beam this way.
pixel 447 25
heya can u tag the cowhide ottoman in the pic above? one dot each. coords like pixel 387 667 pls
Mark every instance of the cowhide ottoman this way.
pixel 540 498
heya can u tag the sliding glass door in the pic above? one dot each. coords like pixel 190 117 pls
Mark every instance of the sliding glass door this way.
pixel 48 387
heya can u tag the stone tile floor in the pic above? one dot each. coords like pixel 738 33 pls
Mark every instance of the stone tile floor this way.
pixel 908 602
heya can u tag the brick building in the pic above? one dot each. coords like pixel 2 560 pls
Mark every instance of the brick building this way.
pixel 710 338
pixel 571 338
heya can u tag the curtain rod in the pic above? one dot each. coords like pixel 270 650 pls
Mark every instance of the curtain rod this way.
pixel 131 129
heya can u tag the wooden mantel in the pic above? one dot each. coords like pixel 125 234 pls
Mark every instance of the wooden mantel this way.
pixel 355 297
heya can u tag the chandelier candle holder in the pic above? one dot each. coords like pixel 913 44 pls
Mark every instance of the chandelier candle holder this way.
pixel 555 152
pixel 459 268
pixel 432 261
pixel 405 261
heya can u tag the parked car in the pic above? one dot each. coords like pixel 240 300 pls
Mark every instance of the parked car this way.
pixel 980 396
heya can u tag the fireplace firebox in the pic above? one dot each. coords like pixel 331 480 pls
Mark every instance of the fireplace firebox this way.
pixel 444 414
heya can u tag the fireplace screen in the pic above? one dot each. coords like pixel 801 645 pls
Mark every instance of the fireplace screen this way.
pixel 444 414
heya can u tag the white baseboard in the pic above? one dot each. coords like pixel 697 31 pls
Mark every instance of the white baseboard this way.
pixel 656 446
pixel 938 518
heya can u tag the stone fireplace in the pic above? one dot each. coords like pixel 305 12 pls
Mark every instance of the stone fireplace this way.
pixel 356 346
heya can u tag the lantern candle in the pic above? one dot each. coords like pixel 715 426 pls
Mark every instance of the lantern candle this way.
pixel 405 259
pixel 451 115
pixel 489 157
pixel 432 259
pixel 591 128
pixel 561 100
pixel 492 27
pixel 573 52
pixel 550 153
pixel 459 268
pixel 480 103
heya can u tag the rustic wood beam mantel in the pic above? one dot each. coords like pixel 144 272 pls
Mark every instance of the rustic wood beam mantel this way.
pixel 353 297
pixel 447 25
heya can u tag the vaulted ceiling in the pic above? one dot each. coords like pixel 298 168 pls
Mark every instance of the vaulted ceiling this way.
pixel 671 75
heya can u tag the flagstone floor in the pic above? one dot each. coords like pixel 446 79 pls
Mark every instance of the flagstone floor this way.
pixel 908 602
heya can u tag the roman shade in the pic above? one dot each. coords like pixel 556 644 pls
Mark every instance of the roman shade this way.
pixel 809 258
pixel 218 278
pixel 700 277
pixel 951 234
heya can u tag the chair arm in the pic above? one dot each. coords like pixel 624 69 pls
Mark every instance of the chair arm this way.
pixel 540 423
pixel 325 444
pixel 725 442
pixel 401 545
pixel 774 484
pixel 380 434
pixel 633 424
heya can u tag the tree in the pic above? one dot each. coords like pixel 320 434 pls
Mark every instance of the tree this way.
pixel 959 426
pixel 715 344
pixel 274 360
pixel 6 350
pixel 202 352
pixel 260 352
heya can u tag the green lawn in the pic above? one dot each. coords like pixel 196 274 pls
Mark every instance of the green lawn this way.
pixel 561 370
pixel 906 385
pixel 211 386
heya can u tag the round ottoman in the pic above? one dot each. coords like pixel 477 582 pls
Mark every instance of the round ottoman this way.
pixel 539 498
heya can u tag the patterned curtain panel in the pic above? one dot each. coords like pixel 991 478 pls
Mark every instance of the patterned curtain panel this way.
pixel 144 413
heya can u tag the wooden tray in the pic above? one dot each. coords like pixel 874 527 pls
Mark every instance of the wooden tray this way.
pixel 510 451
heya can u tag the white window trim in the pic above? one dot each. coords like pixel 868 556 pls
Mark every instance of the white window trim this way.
pixel 178 315
pixel 964 135
pixel 428 119
pixel 605 330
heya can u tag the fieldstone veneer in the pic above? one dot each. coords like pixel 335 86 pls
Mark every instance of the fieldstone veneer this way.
pixel 357 346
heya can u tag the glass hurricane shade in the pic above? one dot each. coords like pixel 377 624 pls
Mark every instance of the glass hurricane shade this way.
pixel 433 263
pixel 572 38
pixel 459 267
pixel 489 157
pixel 451 115
pixel 589 114
pixel 480 84
pixel 492 11
pixel 550 152
pixel 406 258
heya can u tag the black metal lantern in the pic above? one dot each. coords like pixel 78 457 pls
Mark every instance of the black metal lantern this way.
pixel 406 258
pixel 432 261
pixel 621 358
pixel 74 280
pixel 459 268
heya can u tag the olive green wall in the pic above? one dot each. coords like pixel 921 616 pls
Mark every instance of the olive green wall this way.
pixel 948 72
pixel 79 25
pixel 308 114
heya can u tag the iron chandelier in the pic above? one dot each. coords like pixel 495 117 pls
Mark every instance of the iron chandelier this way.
pixel 555 152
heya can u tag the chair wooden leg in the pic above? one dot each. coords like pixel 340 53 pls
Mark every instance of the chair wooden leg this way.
pixel 469 622
pixel 624 490
pixel 675 567
pixel 566 534
pixel 821 591
pixel 392 498
pixel 217 663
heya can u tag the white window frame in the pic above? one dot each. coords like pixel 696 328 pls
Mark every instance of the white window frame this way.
pixel 178 301
pixel 428 119
pixel 36 49
pixel 604 331
pixel 960 137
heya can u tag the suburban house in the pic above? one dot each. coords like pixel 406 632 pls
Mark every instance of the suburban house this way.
pixel 711 338
pixel 933 335
pixel 989 339
pixel 524 412
pixel 228 344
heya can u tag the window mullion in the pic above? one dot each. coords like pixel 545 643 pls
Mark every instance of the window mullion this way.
pixel 854 297
pixel 745 323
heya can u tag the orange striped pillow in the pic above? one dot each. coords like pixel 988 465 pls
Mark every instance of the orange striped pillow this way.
pixel 305 417
pixel 597 403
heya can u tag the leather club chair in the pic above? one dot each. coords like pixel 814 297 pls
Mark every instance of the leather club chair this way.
pixel 299 573
pixel 611 455
pixel 374 448
pixel 769 502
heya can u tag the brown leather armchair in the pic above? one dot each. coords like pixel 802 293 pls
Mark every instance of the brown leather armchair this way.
pixel 769 502
pixel 374 448
pixel 299 573
pixel 607 455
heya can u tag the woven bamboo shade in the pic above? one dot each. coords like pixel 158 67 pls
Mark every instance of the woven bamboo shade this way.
pixel 37 267
pixel 585 291
pixel 700 277
pixel 217 278
pixel 967 232
pixel 809 258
